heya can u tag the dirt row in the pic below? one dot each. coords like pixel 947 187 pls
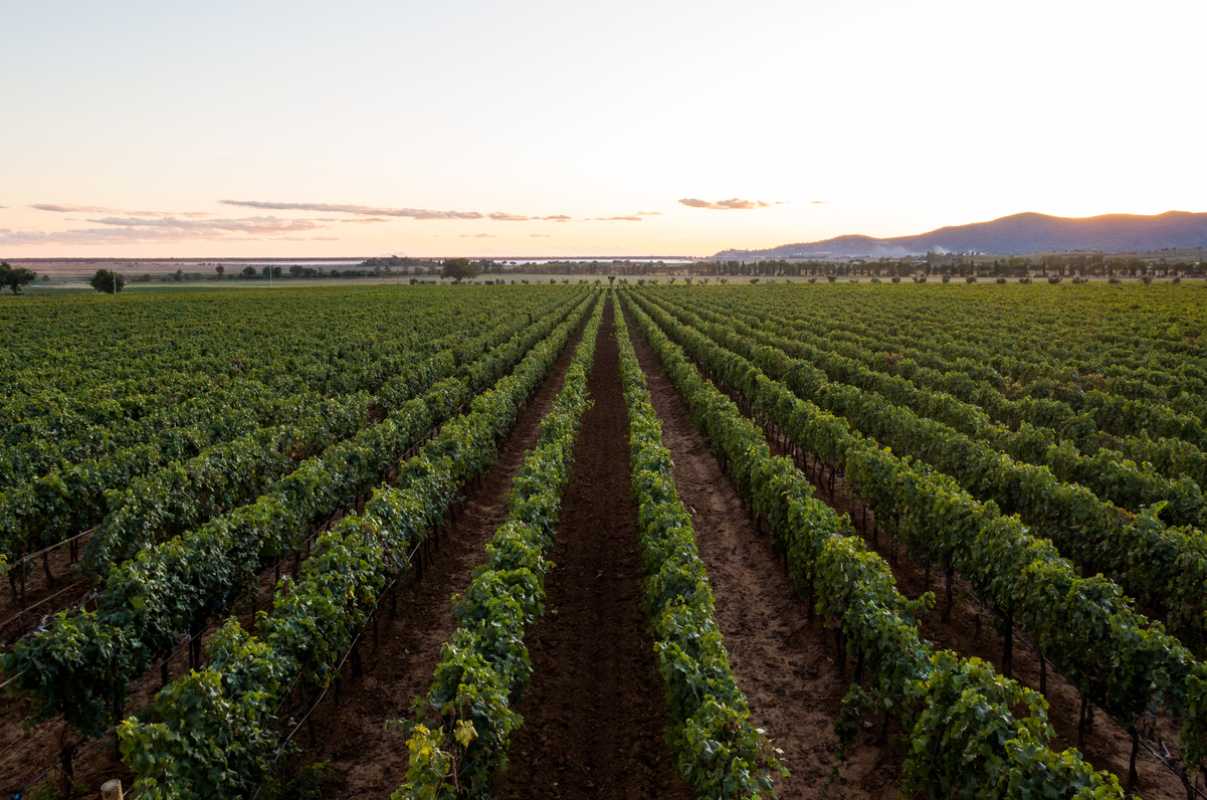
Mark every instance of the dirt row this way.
pixel 354 741
pixel 971 631
pixel 594 713
pixel 41 595
pixel 784 664
pixel 29 753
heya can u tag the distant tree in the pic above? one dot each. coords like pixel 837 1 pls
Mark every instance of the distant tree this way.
pixel 459 269
pixel 108 281
pixel 249 272
pixel 15 277
pixel 221 270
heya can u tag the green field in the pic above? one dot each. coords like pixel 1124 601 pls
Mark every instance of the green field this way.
pixel 943 540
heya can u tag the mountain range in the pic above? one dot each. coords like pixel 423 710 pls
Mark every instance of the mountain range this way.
pixel 1017 234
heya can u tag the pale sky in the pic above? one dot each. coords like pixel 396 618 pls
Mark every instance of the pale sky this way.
pixel 397 127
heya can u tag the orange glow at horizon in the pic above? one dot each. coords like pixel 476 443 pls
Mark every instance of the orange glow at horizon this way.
pixel 785 123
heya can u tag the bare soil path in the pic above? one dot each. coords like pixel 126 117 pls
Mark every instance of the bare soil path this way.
pixel 29 752
pixel 971 630
pixel 784 665
pixel 364 757
pixel 594 713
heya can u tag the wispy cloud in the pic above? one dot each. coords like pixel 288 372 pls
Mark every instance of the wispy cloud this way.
pixel 92 236
pixel 732 204
pixel 540 236
pixel 70 209
pixel 100 225
pixel 817 202
pixel 408 213
pixel 61 208
pixel 252 225
pixel 345 208
pixel 139 230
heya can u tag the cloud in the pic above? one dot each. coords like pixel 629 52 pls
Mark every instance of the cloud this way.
pixel 249 225
pixel 620 218
pixel 732 204
pixel 93 236
pixel 136 230
pixel 64 209
pixel 59 208
pixel 477 236
pixel 540 236
pixel 407 213
pixel 649 213
pixel 817 202
pixel 343 208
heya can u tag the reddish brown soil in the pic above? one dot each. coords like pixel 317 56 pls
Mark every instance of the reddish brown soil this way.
pixel 783 664
pixel 594 713
pixel 29 753
pixel 363 757
pixel 41 597
pixel 1107 746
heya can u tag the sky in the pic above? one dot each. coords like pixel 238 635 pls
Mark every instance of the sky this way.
pixel 157 129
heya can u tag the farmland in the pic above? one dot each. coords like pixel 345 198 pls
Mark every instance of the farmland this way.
pixel 580 540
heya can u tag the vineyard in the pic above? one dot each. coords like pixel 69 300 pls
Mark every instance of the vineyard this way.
pixel 580 540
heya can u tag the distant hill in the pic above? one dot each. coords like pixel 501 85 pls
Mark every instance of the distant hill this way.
pixel 1014 235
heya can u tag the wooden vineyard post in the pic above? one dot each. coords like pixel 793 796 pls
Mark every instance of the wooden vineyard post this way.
pixel 111 790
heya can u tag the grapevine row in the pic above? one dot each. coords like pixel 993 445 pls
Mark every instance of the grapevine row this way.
pixel 80 665
pixel 62 503
pixel 1041 421
pixel 463 729
pixel 1074 621
pixel 960 717
pixel 182 496
pixel 1055 398
pixel 216 731
pixel 1126 484
pixel 1163 567
pixel 57 428
pixel 717 749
